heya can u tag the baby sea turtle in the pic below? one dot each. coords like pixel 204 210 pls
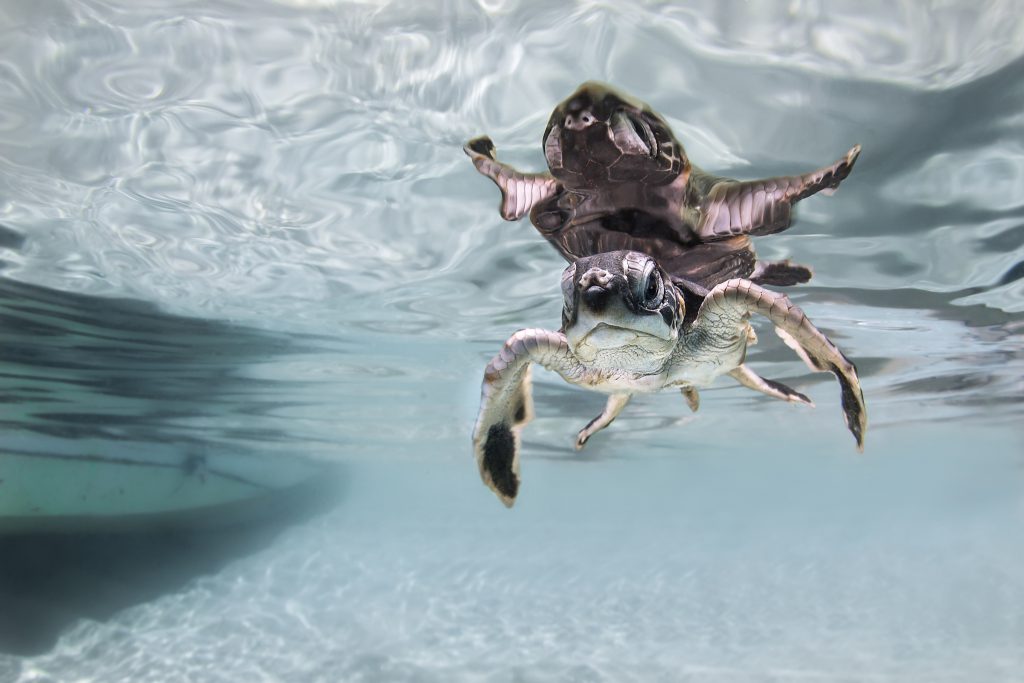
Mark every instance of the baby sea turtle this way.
pixel 629 326
pixel 619 180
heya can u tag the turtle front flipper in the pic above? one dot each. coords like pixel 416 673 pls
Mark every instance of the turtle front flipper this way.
pixel 506 404
pixel 764 207
pixel 519 191
pixel 724 313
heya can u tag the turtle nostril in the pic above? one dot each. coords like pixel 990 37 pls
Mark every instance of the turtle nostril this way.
pixel 596 298
pixel 579 120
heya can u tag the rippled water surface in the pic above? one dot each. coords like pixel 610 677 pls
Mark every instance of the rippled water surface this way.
pixel 248 229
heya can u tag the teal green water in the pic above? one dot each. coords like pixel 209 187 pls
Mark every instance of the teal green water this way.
pixel 250 231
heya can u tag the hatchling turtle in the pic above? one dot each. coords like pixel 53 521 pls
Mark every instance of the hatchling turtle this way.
pixel 621 191
pixel 619 180
pixel 629 326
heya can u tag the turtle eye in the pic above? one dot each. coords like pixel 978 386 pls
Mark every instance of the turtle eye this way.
pixel 644 278
pixel 653 287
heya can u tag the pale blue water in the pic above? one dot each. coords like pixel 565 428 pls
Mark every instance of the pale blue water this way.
pixel 317 272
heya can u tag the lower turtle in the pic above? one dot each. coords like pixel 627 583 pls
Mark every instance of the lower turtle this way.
pixel 630 326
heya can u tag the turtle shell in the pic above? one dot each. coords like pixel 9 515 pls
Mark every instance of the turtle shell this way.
pixel 702 263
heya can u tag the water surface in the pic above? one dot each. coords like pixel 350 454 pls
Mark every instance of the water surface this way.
pixel 318 272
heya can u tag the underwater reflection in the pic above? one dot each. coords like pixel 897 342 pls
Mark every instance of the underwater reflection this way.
pixel 115 413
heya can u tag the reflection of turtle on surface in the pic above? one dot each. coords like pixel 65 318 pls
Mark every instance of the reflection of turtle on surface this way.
pixel 620 180
pixel 621 192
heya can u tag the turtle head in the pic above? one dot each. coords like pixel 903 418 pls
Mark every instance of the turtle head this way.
pixel 599 136
pixel 621 310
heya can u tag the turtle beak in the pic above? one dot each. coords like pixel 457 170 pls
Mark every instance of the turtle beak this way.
pixel 596 289
pixel 596 298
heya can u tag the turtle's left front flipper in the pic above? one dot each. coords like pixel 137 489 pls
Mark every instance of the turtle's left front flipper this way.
pixel 520 192
pixel 726 309
pixel 764 207
pixel 506 404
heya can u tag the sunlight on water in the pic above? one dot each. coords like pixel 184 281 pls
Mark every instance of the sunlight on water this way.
pixel 248 230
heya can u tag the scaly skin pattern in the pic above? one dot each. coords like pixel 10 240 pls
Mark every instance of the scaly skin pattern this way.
pixel 764 207
pixel 506 404
pixel 519 191
pixel 728 307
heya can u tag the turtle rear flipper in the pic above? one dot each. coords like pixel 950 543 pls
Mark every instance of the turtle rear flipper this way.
pixel 614 406
pixel 519 191
pixel 770 387
pixel 780 273
pixel 764 207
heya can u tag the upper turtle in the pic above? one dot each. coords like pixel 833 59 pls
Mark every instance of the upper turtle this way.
pixel 619 180
pixel 599 137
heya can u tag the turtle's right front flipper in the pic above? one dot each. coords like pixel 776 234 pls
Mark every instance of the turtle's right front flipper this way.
pixel 506 404
pixel 519 191
pixel 725 311
pixel 764 207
